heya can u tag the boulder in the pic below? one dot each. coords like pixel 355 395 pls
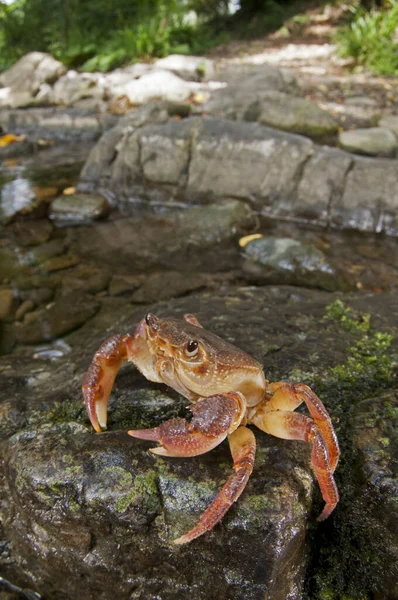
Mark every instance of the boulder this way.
pixel 191 68
pixel 291 113
pixel 285 260
pixel 27 80
pixel 157 85
pixel 74 87
pixel 375 141
pixel 78 208
pixel 90 516
pixel 245 86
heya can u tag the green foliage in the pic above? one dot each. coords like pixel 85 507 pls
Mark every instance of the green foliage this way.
pixel 100 35
pixel 371 38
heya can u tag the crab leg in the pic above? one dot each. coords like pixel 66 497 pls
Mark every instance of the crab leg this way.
pixel 213 419
pixel 288 396
pixel 243 449
pixel 277 418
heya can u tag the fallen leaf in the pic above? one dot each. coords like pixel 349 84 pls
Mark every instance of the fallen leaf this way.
pixel 248 238
pixel 69 191
pixel 9 138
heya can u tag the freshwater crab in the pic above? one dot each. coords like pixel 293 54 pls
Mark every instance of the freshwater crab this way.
pixel 228 391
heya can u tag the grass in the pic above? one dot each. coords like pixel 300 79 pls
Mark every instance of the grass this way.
pixel 371 38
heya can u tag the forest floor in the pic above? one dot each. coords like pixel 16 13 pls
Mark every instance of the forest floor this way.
pixel 306 45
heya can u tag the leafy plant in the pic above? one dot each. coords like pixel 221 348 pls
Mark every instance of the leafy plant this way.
pixel 372 38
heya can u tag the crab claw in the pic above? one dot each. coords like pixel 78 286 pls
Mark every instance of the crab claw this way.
pixel 213 419
pixel 99 379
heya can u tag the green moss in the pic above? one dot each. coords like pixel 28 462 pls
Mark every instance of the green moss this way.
pixel 347 318
pixel 143 490
pixel 368 358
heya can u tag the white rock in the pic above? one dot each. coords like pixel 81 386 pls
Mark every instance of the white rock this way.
pixel 77 86
pixel 192 68
pixel 31 71
pixel 159 85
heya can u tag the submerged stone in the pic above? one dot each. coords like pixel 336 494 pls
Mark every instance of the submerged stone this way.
pixel 78 208
pixel 288 261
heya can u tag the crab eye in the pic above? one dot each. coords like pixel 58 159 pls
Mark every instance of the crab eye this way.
pixel 148 318
pixel 191 348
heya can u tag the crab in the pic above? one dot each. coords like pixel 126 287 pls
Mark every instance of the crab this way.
pixel 227 390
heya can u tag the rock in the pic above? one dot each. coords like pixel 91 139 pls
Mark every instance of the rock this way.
pixel 31 233
pixel 27 77
pixel 86 279
pixel 65 314
pixel 191 68
pixel 246 86
pixel 180 241
pixel 375 141
pixel 85 515
pixel 45 252
pixel 73 87
pixel 294 114
pixel 196 160
pixel 59 263
pixel 78 208
pixel 389 122
pixel 369 201
pixel 287 261
pixel 159 85
pixel 37 296
pixel 121 284
pixel 6 302
pixel 321 186
pixel 165 285
pixel 24 308
pixel 361 101
pixel 247 161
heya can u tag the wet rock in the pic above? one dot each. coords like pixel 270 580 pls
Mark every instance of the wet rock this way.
pixel 92 513
pixel 6 302
pixel 287 261
pixel 375 426
pixel 25 307
pixel 294 114
pixel 181 241
pixel 78 208
pixel 390 122
pixel 375 141
pixel 40 295
pixel 191 68
pixel 321 186
pixel 31 233
pixel 246 160
pixel 121 284
pixel 59 263
pixel 65 314
pixel 45 252
pixel 369 198
pixel 165 285
pixel 85 278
